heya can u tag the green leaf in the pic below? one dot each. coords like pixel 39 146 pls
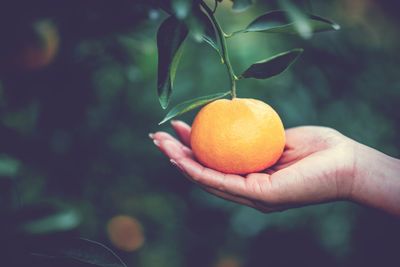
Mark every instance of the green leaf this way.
pixel 170 37
pixel 278 22
pixel 301 23
pixel 46 218
pixel 214 45
pixel 8 166
pixel 81 250
pixel 191 104
pixel 272 66
pixel 202 28
pixel 210 35
pixel 92 252
pixel 241 5
pixel 62 221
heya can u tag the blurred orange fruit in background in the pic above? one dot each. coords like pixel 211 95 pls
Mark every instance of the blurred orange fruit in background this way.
pixel 30 46
pixel 125 233
pixel 228 262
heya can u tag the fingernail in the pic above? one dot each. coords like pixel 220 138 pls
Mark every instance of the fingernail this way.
pixel 156 142
pixel 173 122
pixel 151 135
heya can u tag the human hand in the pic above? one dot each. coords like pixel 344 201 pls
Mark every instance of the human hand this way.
pixel 317 165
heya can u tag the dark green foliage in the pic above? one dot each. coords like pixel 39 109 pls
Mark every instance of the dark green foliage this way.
pixel 170 37
pixel 272 66
pixel 191 104
pixel 202 22
pixel 80 250
pixel 279 22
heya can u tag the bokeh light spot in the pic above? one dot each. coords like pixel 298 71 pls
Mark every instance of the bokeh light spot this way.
pixel 125 233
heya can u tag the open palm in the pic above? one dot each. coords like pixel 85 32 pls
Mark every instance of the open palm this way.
pixel 316 166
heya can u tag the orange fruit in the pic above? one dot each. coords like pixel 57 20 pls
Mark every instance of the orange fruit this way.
pixel 40 52
pixel 228 262
pixel 33 47
pixel 237 136
pixel 125 233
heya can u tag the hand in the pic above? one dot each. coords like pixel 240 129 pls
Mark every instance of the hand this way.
pixel 317 165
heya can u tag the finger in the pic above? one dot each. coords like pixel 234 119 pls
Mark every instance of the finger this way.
pixel 270 170
pixel 227 183
pixel 182 130
pixel 174 150
pixel 226 196
pixel 213 191
pixel 291 155
pixel 288 158
pixel 310 138
pixel 300 135
pixel 231 187
pixel 160 137
pixel 298 145
pixel 281 166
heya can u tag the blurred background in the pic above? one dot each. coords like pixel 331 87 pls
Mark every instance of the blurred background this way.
pixel 78 99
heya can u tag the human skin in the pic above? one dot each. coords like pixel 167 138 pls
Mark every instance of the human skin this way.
pixel 318 165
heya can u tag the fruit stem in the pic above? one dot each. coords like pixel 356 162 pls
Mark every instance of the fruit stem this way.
pixel 224 48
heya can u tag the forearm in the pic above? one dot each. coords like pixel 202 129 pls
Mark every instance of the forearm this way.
pixel 376 180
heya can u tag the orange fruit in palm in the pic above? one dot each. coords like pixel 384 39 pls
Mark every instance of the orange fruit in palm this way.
pixel 237 136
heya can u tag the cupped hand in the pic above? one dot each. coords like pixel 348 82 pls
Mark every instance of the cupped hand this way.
pixel 316 166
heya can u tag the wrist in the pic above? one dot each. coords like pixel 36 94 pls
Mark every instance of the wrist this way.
pixel 376 179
